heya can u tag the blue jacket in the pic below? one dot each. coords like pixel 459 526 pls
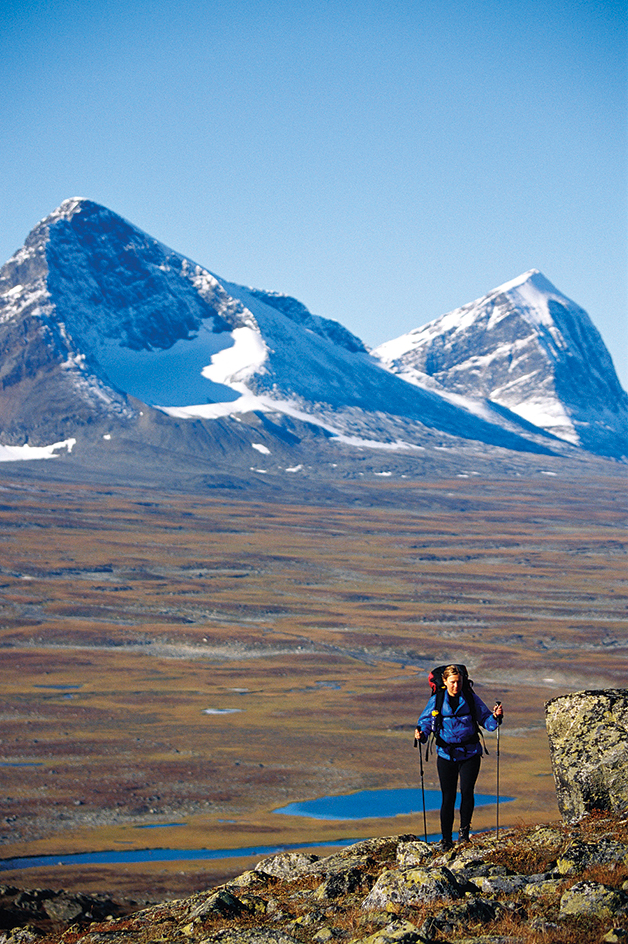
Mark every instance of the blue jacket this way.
pixel 457 726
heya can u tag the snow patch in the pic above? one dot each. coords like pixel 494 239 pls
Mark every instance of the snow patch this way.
pixel 221 711
pixel 261 448
pixel 236 364
pixel 26 452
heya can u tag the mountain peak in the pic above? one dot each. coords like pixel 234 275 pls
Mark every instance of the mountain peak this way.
pixel 66 211
pixel 528 348
pixel 529 276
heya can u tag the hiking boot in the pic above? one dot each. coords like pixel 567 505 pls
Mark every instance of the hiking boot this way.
pixel 445 845
pixel 463 834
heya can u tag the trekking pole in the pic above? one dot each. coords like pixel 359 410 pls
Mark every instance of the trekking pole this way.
pixel 497 819
pixel 422 788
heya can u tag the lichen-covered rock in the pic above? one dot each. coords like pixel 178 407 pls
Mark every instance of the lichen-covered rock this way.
pixel 588 735
pixel 286 864
pixel 26 935
pixel 398 932
pixel 250 879
pixel 546 837
pixel 252 936
pixel 580 854
pixel 221 903
pixel 64 908
pixel 414 852
pixel 339 864
pixel 323 936
pixel 473 911
pixel 544 888
pixel 593 899
pixel 380 847
pixel 340 883
pixel 493 939
pixel 500 884
pixel 616 936
pixel 467 859
pixel 411 887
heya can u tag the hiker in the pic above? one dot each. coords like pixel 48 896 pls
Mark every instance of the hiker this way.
pixel 453 715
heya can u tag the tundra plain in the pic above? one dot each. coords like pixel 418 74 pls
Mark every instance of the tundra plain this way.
pixel 175 667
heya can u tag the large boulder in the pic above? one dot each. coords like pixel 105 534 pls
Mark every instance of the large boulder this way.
pixel 591 898
pixel 588 735
pixel 396 887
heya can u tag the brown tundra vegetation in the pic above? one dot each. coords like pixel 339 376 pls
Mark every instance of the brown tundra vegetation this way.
pixel 192 662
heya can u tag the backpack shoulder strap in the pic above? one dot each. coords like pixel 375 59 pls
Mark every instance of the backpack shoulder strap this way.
pixel 437 719
pixel 470 697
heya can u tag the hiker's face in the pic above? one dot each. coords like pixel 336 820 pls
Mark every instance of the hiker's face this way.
pixel 453 684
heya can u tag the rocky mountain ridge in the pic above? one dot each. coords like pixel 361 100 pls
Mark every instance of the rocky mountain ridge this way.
pixel 117 349
pixel 526 347
pixel 564 884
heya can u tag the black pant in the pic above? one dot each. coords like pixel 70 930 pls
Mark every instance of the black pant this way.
pixel 448 773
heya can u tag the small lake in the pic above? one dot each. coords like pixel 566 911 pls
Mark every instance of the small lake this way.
pixel 376 804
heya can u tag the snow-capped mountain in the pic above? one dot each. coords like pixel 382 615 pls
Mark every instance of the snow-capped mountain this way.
pixel 108 335
pixel 527 347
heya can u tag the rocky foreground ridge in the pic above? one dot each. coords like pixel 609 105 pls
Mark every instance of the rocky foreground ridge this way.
pixel 550 883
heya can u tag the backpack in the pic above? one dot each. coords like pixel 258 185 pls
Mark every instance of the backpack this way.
pixel 436 683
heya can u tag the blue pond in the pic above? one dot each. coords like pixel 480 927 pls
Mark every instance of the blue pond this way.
pixel 375 804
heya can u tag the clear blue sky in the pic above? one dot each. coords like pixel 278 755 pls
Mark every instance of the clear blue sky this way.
pixel 384 162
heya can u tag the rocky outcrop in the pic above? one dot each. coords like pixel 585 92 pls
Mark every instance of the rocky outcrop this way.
pixel 588 735
pixel 30 914
pixel 554 883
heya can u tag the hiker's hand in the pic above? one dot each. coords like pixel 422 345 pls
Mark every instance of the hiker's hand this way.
pixel 419 736
pixel 498 712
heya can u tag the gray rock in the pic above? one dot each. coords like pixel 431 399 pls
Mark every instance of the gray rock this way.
pixel 546 837
pixel 286 864
pixel 340 884
pixel 543 889
pixel 109 937
pixel 380 846
pixel 64 909
pixel 410 887
pixel 254 936
pixel 493 939
pixel 500 884
pixel 581 854
pixel 397 932
pixel 414 852
pixel 473 911
pixel 221 903
pixel 542 924
pixel 249 879
pixel 615 936
pixel 323 936
pixel 588 735
pixel 339 864
pixel 26 935
pixel 591 898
